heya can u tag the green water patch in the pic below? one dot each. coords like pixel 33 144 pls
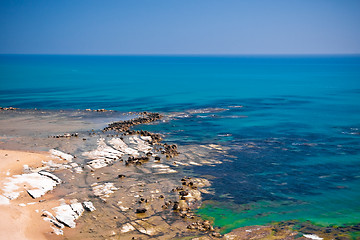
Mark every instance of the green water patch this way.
pixel 322 210
pixel 355 235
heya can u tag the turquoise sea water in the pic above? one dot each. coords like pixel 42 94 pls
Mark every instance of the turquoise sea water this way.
pixel 292 123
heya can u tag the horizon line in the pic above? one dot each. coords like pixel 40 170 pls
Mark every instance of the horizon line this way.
pixel 185 54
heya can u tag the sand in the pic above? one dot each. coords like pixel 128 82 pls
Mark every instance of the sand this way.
pixel 17 222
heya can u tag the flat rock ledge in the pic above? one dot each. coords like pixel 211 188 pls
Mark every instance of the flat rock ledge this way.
pixel 37 184
pixel 66 214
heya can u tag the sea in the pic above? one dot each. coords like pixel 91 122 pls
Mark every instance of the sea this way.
pixel 290 124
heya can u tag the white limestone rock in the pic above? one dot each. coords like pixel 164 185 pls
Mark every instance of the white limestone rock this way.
pixel 77 208
pixel 61 155
pixel 51 176
pixel 120 145
pixel 127 227
pixel 26 169
pixel 55 222
pixel 103 190
pixel 140 145
pixel 163 169
pixel 67 214
pixel 4 200
pixel 37 184
pixel 57 231
pixel 98 163
pixel 103 155
pixel 313 236
pixel 146 138
pixel 89 206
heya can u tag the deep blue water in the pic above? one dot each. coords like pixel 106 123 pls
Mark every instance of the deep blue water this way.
pixel 295 140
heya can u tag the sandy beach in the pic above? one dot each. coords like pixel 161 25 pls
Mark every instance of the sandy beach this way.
pixel 18 222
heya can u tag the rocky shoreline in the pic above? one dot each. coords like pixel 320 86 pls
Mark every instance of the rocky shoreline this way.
pixel 118 182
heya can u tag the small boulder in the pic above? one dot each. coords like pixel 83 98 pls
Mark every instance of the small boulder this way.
pixel 88 206
pixel 140 210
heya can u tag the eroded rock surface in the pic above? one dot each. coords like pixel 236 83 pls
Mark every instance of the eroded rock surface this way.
pixel 36 184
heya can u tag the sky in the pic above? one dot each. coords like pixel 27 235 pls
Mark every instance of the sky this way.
pixel 180 27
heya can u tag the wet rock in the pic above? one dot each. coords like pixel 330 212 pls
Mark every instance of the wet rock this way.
pixel 140 210
pixel 176 206
pixel 123 126
pixel 103 110
pixel 183 206
pixel 66 135
pixel 216 234
pixel 203 226
pixel 183 193
pixel 8 108
pixel 170 150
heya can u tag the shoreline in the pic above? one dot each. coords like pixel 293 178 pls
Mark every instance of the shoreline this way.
pixel 154 167
pixel 18 221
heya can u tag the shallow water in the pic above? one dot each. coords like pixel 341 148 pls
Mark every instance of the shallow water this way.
pixel 290 125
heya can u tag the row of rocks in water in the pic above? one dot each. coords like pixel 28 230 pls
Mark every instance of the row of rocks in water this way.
pixel 170 151
pixel 189 198
pixel 98 110
pixel 8 108
pixel 123 126
pixel 65 135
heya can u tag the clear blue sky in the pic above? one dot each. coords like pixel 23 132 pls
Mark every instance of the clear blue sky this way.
pixel 180 26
